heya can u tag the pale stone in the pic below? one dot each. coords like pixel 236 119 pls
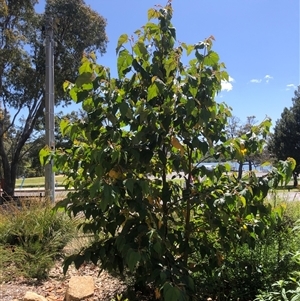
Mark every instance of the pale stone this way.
pixel 79 288
pixel 31 296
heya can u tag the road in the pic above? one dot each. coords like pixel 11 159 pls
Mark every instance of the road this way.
pixel 285 196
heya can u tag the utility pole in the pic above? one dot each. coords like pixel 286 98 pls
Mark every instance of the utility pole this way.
pixel 49 108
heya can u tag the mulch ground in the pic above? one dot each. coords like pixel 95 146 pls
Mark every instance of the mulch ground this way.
pixel 54 288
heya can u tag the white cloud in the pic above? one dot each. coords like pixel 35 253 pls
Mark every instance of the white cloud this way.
pixel 268 77
pixel 255 81
pixel 258 81
pixel 227 85
pixel 291 86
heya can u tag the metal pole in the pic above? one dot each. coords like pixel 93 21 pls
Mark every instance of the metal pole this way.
pixel 49 108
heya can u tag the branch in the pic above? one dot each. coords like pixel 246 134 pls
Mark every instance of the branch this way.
pixel 11 124
pixel 34 144
pixel 33 114
pixel 28 128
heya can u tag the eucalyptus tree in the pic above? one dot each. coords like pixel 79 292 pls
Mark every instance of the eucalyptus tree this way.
pixel 22 63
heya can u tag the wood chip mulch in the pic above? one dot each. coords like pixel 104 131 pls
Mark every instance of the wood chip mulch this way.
pixel 54 288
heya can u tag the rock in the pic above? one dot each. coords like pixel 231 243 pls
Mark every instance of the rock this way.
pixel 31 296
pixel 79 288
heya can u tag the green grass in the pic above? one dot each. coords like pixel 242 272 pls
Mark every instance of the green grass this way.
pixel 37 181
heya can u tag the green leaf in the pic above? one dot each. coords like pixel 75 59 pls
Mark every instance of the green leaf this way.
pixel 86 67
pixel 193 90
pixel 140 50
pixel 88 104
pixel 190 105
pixel 129 184
pixel 171 292
pixel 227 167
pixel 84 78
pixel 67 262
pixel 243 200
pixel 64 126
pixel 152 29
pixel 94 189
pixel 44 155
pixel 144 186
pixel 153 91
pixel 211 59
pixel 102 72
pixel 157 247
pixel 122 40
pixel 152 14
pixel 120 242
pixel 138 32
pixel 199 56
pixel 285 168
pixel 137 66
pixel 170 65
pixel 78 261
pixel 73 93
pixel 107 195
pixel 92 55
pixel 146 155
pixel 188 48
pixel 124 108
pixel 99 171
pixel 82 95
pixel 133 258
pixel 267 163
pixel 124 61
pixel 67 85
pixel 203 146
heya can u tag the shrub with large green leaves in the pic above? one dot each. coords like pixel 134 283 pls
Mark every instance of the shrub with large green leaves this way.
pixel 135 164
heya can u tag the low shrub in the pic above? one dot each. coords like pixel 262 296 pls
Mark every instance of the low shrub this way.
pixel 244 271
pixel 287 289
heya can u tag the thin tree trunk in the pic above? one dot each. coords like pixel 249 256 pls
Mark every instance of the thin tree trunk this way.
pixel 295 176
pixel 240 170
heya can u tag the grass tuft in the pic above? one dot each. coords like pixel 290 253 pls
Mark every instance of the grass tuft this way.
pixel 32 237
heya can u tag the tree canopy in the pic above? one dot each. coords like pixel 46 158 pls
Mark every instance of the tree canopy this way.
pixel 235 129
pixel 285 141
pixel 22 64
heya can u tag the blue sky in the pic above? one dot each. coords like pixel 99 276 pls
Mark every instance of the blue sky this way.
pixel 258 40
